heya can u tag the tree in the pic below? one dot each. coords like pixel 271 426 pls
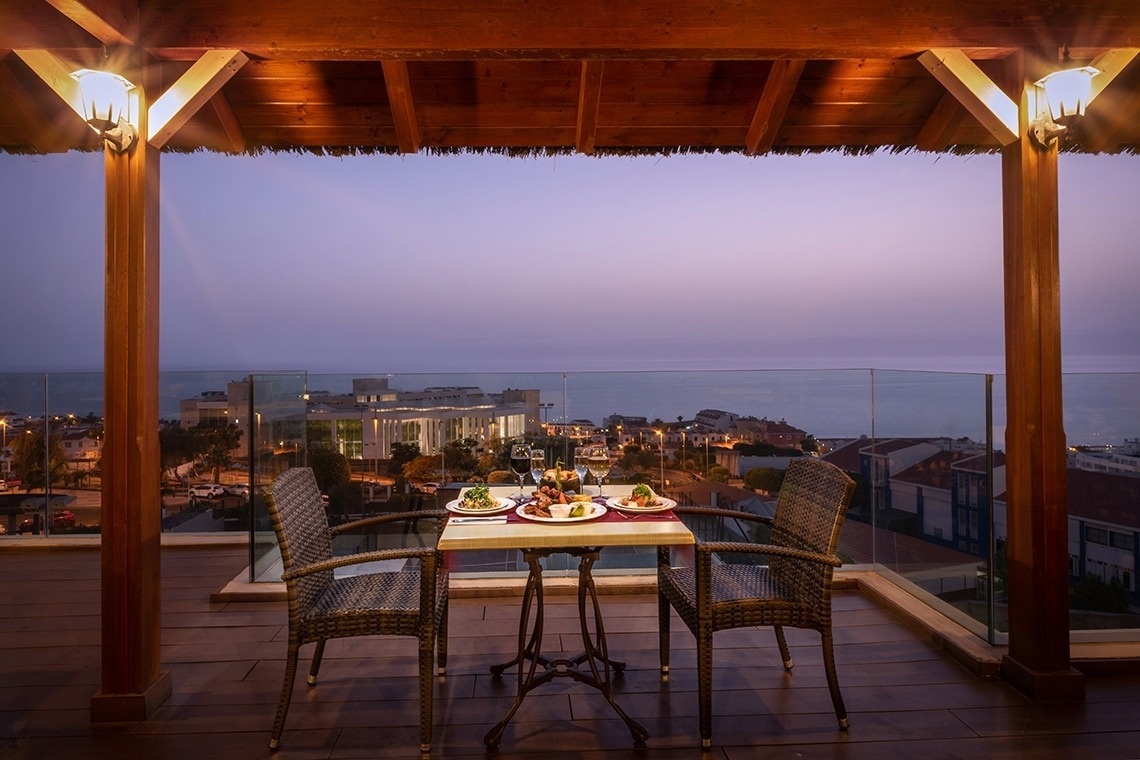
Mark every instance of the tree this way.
pixel 764 479
pixel 718 474
pixel 459 458
pixel 809 445
pixel 330 467
pixel 423 468
pixel 402 453
pixel 178 445
pixel 219 442
pixel 28 458
pixel 1090 592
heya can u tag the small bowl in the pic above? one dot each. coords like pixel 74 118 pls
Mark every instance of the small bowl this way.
pixel 560 511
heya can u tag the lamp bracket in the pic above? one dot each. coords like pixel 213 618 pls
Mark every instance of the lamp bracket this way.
pixel 1045 131
pixel 121 136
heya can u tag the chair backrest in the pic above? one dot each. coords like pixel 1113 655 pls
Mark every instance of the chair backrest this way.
pixel 301 525
pixel 809 513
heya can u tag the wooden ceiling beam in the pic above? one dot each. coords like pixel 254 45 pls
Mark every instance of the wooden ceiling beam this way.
pixel 975 91
pixel 589 102
pixel 939 127
pixel 403 106
pixel 602 29
pixel 112 22
pixel 773 105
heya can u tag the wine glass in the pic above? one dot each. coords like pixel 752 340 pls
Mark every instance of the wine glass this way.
pixel 598 462
pixel 520 463
pixel 580 467
pixel 537 465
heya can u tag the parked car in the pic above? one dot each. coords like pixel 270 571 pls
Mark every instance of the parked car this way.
pixel 426 487
pixel 64 518
pixel 239 489
pixel 207 491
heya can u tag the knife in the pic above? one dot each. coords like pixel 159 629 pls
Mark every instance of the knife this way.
pixel 488 519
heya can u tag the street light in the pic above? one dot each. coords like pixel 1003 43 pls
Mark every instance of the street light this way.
pixel 375 445
pixel 661 448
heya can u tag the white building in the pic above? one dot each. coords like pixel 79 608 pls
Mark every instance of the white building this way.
pixel 366 423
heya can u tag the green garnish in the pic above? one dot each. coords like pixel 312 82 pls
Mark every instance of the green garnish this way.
pixel 479 497
pixel 642 490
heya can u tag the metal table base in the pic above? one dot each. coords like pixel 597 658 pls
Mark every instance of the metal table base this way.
pixel 594 655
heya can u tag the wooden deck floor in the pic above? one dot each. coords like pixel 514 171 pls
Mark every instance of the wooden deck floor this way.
pixel 907 699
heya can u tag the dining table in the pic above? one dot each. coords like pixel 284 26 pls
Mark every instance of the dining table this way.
pixel 584 538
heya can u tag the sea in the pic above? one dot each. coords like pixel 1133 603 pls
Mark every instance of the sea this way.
pixel 1100 408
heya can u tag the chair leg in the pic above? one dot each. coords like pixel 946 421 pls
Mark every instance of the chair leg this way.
pixel 785 655
pixel 427 654
pixel 441 644
pixel 704 679
pixel 833 679
pixel 286 696
pixel 318 653
pixel 663 631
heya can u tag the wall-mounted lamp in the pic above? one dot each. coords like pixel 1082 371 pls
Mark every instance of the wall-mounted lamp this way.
pixel 107 106
pixel 1066 93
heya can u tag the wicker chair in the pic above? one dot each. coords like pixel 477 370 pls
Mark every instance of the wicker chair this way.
pixel 411 601
pixel 794 589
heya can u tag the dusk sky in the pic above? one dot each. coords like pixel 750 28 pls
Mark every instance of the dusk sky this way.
pixel 485 263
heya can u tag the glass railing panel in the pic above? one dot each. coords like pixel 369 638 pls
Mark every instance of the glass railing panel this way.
pixel 850 413
pixel 923 507
pixel 274 429
pixel 23 408
pixel 673 429
pixel 202 422
pixel 1102 430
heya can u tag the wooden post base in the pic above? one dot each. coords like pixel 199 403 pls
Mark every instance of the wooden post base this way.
pixel 1066 685
pixel 120 708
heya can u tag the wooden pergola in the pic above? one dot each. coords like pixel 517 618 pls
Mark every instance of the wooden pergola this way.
pixel 589 76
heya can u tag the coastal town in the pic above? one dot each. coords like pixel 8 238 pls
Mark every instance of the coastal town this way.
pixel 941 499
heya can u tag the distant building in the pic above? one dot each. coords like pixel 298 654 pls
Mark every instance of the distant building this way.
pixel 366 423
pixel 939 491
pixel 1104 526
pixel 81 448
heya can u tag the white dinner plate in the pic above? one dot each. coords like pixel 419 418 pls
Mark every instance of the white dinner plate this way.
pixel 457 507
pixel 599 510
pixel 664 506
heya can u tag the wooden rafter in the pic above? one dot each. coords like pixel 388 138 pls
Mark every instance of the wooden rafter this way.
pixel 112 22
pixel 229 122
pixel 589 101
pixel 192 90
pixel 1110 64
pixel 975 91
pixel 773 104
pixel 403 106
pixel 36 125
pixel 56 74
pixel 938 129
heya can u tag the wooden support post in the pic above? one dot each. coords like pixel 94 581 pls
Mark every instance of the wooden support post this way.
pixel 1037 545
pixel 132 686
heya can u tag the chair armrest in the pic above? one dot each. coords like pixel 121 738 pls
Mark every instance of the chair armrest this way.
pixel 715 512
pixel 426 514
pixel 356 559
pixel 716 547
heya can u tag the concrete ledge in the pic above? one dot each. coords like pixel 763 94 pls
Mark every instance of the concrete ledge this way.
pixel 963 645
pixel 94 541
